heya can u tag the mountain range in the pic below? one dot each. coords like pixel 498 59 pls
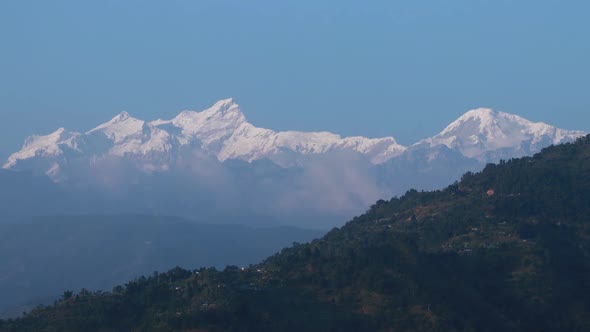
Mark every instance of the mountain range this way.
pixel 216 160
pixel 223 131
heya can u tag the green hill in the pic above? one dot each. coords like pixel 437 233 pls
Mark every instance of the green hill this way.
pixel 507 249
pixel 40 257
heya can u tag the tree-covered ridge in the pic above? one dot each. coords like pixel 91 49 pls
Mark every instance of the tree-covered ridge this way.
pixel 507 249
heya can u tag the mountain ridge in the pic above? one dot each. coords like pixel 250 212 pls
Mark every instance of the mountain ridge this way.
pixel 484 130
pixel 224 132
pixel 215 162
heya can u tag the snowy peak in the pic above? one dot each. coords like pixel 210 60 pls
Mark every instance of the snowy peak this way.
pixel 250 143
pixel 119 127
pixel 120 117
pixel 474 121
pixel 491 124
pixel 223 108
pixel 222 111
pixel 43 146
pixel 479 132
pixel 209 126
pixel 223 132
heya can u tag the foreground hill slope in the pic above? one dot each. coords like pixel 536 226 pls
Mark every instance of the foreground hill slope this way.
pixel 43 256
pixel 507 249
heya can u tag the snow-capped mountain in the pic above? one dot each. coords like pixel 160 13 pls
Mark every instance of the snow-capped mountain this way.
pixel 222 131
pixel 217 165
pixel 486 135
pixel 42 147
pixel 478 137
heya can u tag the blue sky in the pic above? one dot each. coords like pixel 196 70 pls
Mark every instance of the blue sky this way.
pixel 372 68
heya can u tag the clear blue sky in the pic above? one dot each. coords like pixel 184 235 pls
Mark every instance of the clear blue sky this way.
pixel 373 68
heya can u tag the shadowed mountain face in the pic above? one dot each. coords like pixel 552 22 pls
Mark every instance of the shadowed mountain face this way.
pixel 216 164
pixel 41 257
pixel 506 249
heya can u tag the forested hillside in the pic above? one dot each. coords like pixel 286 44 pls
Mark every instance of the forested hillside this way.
pixel 40 257
pixel 507 249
